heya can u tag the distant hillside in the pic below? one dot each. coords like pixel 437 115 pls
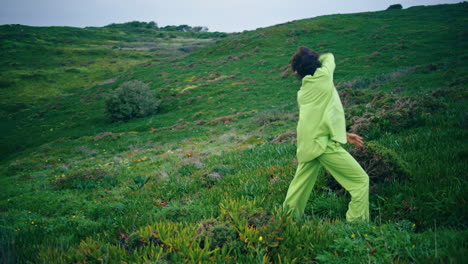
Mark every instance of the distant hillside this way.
pixel 41 65
pixel 203 180
pixel 60 49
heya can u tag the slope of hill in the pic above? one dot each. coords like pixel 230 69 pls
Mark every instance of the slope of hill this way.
pixel 43 66
pixel 203 180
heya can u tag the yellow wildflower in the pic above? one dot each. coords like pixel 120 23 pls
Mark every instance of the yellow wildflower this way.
pixel 353 235
pixel 365 235
pixel 260 238
pixel 74 216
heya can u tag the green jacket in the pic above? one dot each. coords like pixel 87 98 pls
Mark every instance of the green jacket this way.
pixel 321 115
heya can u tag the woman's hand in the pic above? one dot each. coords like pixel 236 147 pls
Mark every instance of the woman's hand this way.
pixel 354 140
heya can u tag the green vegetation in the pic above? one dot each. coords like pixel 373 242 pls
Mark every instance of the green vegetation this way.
pixel 395 7
pixel 132 99
pixel 56 71
pixel 179 28
pixel 204 178
pixel 134 24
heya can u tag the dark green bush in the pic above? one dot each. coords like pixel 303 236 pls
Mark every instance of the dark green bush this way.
pixel 394 7
pixel 381 164
pixel 391 113
pixel 131 100
pixel 220 233
pixel 85 179
pixel 134 24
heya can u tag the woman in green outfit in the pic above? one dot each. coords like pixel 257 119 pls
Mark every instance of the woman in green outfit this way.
pixel 320 132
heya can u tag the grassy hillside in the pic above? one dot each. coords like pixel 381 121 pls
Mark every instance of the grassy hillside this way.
pixel 42 67
pixel 204 179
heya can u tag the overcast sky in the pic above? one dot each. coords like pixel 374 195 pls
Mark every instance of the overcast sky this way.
pixel 217 15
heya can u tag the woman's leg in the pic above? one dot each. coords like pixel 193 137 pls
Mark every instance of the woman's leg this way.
pixel 347 171
pixel 301 187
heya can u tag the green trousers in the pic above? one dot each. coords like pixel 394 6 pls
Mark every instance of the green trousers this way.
pixel 347 172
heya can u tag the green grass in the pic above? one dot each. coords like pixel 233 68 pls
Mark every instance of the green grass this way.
pixel 202 181
pixel 45 70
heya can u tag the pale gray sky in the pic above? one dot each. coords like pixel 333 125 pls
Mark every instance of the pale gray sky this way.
pixel 217 15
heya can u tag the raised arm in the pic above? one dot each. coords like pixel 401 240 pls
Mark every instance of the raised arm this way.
pixel 328 62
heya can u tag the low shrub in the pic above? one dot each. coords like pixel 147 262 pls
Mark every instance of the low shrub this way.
pixel 395 7
pixel 381 164
pixel 85 179
pixel 135 240
pixel 351 96
pixel 391 113
pixel 220 234
pixel 132 99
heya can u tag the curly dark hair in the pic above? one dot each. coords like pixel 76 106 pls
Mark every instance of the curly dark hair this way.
pixel 305 62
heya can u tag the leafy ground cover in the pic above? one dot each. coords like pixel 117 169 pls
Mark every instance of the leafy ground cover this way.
pixel 203 180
